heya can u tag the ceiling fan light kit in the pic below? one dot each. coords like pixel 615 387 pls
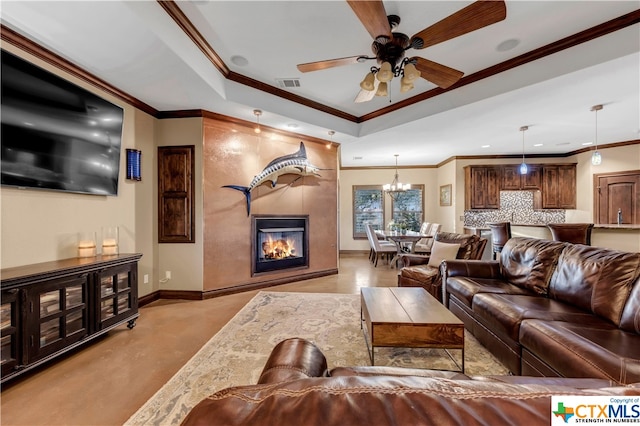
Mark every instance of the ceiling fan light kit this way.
pixel 389 47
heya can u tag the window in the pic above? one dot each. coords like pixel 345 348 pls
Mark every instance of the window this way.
pixel 408 208
pixel 368 207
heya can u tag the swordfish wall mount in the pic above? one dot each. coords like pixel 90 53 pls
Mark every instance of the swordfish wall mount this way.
pixel 296 164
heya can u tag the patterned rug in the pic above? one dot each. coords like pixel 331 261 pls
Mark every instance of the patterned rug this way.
pixel 236 354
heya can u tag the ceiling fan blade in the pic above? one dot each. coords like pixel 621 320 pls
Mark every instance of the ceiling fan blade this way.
pixel 473 17
pixel 373 17
pixel 439 74
pixel 329 63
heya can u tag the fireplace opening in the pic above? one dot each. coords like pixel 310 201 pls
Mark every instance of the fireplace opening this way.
pixel 279 242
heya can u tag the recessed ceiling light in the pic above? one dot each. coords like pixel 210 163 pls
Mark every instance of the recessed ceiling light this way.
pixel 537 144
pixel 358 158
pixel 240 61
pixel 563 143
pixel 292 125
pixel 485 146
pixel 587 143
pixel 507 45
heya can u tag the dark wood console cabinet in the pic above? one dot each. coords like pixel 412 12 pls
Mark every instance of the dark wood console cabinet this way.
pixel 49 308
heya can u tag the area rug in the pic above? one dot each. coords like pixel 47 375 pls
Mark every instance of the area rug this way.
pixel 238 352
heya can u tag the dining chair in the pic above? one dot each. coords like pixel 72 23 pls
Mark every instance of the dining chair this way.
pixel 576 233
pixel 500 234
pixel 379 247
pixel 425 244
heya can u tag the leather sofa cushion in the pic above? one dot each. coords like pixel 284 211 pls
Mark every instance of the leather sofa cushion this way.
pixel 578 350
pixel 464 288
pixel 594 279
pixel 422 273
pixel 530 262
pixel 631 314
pixel 503 313
pixel 384 400
pixel 293 359
pixel 467 242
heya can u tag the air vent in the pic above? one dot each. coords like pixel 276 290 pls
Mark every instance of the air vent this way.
pixel 288 83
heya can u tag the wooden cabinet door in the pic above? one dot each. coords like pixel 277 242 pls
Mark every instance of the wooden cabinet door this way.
pixel 482 187
pixel 533 179
pixel 492 200
pixel 10 342
pixel 567 186
pixel 57 315
pixel 116 295
pixel 619 191
pixel 511 178
pixel 176 193
pixel 559 186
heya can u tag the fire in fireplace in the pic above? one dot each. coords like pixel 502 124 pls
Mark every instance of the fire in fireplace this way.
pixel 279 242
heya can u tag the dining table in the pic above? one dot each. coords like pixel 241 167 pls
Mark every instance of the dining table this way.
pixel 402 240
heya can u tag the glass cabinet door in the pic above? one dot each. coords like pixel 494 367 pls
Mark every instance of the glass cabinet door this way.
pixel 116 294
pixel 9 329
pixel 62 315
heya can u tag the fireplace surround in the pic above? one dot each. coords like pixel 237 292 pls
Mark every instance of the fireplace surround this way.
pixel 279 243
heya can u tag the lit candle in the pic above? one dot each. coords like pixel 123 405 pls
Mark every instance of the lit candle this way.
pixel 86 248
pixel 109 246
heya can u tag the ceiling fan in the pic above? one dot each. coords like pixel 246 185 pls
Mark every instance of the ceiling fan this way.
pixel 389 47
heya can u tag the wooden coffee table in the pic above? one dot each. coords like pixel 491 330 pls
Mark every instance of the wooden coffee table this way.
pixel 408 317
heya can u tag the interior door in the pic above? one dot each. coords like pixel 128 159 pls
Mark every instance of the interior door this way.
pixel 617 192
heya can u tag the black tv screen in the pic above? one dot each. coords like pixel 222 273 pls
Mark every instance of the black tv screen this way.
pixel 56 135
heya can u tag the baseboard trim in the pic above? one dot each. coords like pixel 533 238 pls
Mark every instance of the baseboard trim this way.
pixel 210 294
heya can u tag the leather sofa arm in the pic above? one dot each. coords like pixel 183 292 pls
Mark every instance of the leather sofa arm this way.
pixel 470 268
pixel 414 259
pixel 293 359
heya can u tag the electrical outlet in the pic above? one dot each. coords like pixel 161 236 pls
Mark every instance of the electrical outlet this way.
pixel 167 275
pixel 146 278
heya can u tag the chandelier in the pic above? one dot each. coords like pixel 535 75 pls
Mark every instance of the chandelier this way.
pixel 395 188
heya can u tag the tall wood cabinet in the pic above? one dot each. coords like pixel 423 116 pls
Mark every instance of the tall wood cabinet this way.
pixel 559 186
pixel 482 187
pixel 52 307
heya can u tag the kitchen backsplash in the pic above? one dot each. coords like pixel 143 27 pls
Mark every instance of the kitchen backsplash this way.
pixel 515 207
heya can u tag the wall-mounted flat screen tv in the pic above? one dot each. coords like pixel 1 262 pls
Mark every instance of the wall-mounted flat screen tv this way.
pixel 55 134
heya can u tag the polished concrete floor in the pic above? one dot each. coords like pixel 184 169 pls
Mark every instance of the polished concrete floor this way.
pixel 105 382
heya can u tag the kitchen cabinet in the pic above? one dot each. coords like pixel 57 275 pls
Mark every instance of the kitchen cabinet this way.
pixel 52 307
pixel 512 180
pixel 559 186
pixel 482 187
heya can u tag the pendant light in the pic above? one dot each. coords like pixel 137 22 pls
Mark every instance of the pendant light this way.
pixel 523 166
pixel 596 158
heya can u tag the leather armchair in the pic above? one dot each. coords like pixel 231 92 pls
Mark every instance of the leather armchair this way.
pixel 417 273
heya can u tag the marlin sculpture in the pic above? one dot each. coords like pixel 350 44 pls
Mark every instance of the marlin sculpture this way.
pixel 296 164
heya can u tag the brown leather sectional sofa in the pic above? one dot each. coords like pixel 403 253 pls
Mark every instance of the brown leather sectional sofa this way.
pixel 548 308
pixel 296 388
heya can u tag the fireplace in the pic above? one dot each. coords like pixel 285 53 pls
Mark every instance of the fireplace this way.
pixel 279 243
